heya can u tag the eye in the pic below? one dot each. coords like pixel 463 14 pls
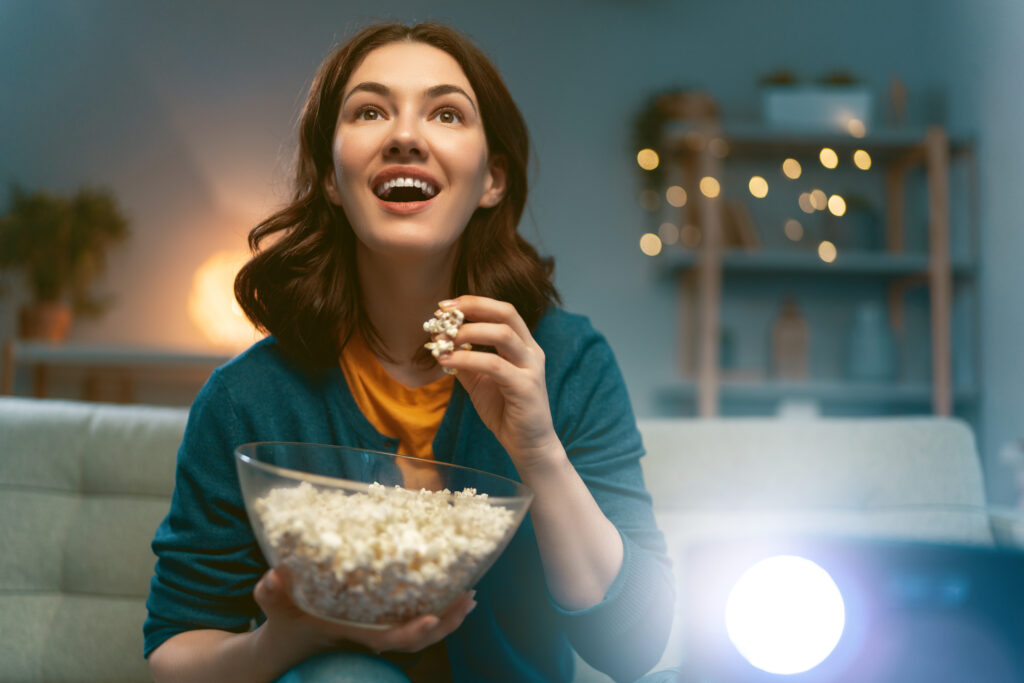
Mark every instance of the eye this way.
pixel 369 113
pixel 448 115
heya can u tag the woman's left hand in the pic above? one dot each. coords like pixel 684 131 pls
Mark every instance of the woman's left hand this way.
pixel 507 388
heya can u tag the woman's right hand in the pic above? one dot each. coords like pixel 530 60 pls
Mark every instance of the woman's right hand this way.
pixel 289 626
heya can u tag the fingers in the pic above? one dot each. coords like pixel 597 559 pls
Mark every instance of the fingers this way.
pixel 427 630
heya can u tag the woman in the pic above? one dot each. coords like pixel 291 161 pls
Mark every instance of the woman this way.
pixel 411 182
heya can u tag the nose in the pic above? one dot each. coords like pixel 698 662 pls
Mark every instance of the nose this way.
pixel 406 139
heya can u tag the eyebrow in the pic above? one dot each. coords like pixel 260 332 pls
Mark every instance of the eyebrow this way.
pixel 433 91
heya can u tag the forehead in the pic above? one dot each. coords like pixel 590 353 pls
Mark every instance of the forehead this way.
pixel 409 65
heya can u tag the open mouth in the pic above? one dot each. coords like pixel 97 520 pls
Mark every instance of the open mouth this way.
pixel 405 190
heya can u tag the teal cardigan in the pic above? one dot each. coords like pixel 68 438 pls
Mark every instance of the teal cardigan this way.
pixel 208 561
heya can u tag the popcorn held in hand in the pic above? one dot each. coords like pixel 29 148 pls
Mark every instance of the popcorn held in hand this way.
pixel 443 328
pixel 384 556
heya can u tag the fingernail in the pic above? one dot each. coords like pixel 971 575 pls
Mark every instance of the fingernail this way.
pixel 447 303
pixel 270 582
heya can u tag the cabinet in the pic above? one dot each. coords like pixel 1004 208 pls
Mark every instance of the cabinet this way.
pixel 906 241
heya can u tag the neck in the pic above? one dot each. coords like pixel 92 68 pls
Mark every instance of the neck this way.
pixel 399 295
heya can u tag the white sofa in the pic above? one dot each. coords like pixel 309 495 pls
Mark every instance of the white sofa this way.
pixel 83 486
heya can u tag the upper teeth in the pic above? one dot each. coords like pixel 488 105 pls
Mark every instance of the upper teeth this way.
pixel 425 187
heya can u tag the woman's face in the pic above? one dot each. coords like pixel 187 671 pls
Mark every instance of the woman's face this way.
pixel 411 163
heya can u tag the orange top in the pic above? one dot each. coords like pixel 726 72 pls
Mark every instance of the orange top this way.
pixel 413 416
pixel 410 415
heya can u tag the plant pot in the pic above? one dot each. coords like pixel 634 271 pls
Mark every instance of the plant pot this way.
pixel 815 108
pixel 48 321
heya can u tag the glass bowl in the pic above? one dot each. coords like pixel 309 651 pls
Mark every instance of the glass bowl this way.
pixel 372 538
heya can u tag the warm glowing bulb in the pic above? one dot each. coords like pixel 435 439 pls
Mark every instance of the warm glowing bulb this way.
pixel 856 128
pixel 827 251
pixel 785 615
pixel 676 196
pixel 650 244
pixel 828 157
pixel 794 231
pixel 791 169
pixel 668 232
pixel 805 202
pixel 211 302
pixel 647 159
pixel 819 200
pixel 758 187
pixel 709 187
pixel 862 160
pixel 837 205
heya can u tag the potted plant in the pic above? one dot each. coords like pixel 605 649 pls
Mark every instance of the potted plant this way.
pixel 59 243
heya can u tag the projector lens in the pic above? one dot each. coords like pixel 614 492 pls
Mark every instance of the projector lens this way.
pixel 785 615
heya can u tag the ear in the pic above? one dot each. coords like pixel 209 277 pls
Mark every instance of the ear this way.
pixel 494 186
pixel 331 189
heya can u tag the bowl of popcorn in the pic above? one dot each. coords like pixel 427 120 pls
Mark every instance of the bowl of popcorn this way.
pixel 372 538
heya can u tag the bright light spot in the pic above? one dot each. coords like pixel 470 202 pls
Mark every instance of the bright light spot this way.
pixel 676 196
pixel 785 615
pixel 791 169
pixel 805 202
pixel 819 200
pixel 827 251
pixel 862 160
pixel 828 157
pixel 837 205
pixel 650 244
pixel 794 231
pixel 650 200
pixel 719 148
pixel 856 128
pixel 709 187
pixel 758 187
pixel 669 233
pixel 689 236
pixel 648 159
pixel 211 302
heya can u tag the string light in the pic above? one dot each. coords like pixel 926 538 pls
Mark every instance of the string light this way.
pixel 709 187
pixel 793 229
pixel 856 128
pixel 650 244
pixel 791 168
pixel 758 187
pixel 647 159
pixel 862 160
pixel 836 205
pixel 676 196
pixel 819 200
pixel 827 251
pixel 828 157
pixel 805 202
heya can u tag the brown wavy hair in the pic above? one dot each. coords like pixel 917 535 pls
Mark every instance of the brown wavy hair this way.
pixel 303 288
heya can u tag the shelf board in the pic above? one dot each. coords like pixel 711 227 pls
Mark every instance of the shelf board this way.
pixel 779 261
pixel 826 391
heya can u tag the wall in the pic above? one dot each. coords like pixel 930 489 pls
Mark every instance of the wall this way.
pixel 188 112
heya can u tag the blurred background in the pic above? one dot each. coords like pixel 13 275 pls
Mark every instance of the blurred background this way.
pixel 184 115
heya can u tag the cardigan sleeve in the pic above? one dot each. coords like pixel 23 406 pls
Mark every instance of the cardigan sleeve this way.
pixel 207 558
pixel 625 634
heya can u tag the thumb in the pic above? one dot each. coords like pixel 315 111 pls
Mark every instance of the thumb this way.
pixel 269 589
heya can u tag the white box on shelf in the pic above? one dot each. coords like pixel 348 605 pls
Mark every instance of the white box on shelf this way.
pixel 816 108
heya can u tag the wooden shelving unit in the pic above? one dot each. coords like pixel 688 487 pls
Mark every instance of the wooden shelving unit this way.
pixel 701 271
